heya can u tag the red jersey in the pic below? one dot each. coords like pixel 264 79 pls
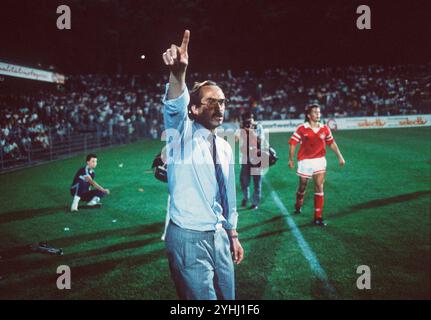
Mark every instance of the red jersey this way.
pixel 313 141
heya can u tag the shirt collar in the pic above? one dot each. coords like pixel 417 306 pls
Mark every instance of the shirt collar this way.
pixel 89 170
pixel 204 132
pixel 307 125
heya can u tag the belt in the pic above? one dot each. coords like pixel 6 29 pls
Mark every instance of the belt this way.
pixel 218 227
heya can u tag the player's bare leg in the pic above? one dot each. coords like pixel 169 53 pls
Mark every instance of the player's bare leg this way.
pixel 302 186
pixel 319 180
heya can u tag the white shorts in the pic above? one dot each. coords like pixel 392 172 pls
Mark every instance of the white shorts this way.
pixel 308 167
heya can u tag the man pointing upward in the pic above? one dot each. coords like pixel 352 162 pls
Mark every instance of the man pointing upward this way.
pixel 201 240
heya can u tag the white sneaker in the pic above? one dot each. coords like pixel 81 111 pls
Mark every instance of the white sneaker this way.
pixel 75 202
pixel 94 201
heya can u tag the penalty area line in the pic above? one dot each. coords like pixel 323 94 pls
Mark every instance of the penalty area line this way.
pixel 306 250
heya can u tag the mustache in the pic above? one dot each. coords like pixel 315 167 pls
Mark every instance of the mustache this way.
pixel 218 115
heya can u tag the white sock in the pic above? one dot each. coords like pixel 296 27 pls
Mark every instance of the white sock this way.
pixel 94 201
pixel 75 203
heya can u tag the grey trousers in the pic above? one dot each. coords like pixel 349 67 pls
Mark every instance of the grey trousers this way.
pixel 244 177
pixel 201 263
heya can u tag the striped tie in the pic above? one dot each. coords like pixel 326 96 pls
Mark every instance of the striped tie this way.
pixel 220 180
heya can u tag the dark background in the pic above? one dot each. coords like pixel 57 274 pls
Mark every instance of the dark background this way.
pixel 110 36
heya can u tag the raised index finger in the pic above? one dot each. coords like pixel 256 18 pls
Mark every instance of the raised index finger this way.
pixel 186 39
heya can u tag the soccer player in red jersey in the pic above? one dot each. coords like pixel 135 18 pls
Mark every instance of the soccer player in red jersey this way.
pixel 313 138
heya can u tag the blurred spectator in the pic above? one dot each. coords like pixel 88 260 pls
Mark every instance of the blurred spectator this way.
pixel 117 107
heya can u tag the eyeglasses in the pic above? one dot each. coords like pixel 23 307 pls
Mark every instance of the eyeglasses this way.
pixel 211 102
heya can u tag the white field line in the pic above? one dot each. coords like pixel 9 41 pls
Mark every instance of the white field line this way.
pixel 306 250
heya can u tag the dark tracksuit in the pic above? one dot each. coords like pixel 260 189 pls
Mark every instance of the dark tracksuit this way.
pixel 81 187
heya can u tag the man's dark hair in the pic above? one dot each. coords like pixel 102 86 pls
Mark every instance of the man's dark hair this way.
pixel 247 115
pixel 308 109
pixel 91 155
pixel 195 97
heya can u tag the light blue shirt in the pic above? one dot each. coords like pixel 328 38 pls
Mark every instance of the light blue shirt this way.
pixel 193 187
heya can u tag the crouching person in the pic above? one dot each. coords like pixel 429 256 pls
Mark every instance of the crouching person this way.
pixel 83 180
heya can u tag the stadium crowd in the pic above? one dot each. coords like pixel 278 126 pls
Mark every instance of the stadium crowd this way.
pixel 121 105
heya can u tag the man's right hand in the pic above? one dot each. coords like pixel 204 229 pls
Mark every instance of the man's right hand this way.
pixel 176 58
pixel 291 164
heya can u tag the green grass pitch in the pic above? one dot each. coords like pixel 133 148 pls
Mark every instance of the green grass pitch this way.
pixel 377 208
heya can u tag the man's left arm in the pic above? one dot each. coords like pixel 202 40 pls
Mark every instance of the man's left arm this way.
pixel 96 185
pixel 334 147
pixel 236 248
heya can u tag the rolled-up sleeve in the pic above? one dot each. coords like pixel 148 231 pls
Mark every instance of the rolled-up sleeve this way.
pixel 295 138
pixel 175 110
pixel 329 138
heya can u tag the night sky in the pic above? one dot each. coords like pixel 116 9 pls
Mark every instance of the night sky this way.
pixel 108 36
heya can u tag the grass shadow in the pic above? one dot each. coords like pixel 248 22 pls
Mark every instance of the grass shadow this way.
pixel 24 214
pixel 13 265
pixel 382 202
pixel 81 273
